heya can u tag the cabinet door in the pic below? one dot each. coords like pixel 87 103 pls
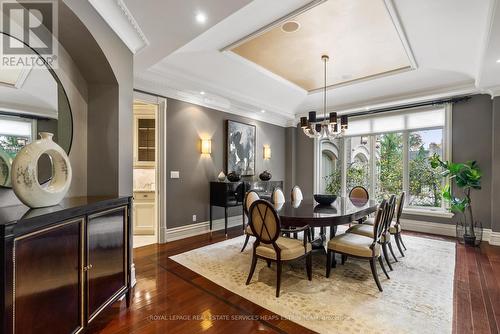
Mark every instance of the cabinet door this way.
pixel 144 217
pixel 48 280
pixel 144 140
pixel 106 258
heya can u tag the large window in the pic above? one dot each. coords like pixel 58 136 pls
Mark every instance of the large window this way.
pixel 388 153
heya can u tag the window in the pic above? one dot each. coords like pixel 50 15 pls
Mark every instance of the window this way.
pixel 388 153
pixel 16 133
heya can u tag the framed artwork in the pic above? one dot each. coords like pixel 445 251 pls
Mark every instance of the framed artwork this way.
pixel 240 139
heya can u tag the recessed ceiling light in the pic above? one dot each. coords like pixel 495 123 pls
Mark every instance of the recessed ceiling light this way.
pixel 498 60
pixel 290 26
pixel 202 93
pixel 262 111
pixel 201 18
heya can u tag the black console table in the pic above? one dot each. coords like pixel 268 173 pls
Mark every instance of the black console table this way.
pixel 61 266
pixel 231 194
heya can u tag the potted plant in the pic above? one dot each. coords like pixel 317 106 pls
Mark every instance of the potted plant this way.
pixel 467 176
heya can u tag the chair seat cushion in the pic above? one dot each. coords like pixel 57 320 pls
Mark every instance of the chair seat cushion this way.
pixel 290 249
pixel 248 230
pixel 369 221
pixel 395 228
pixel 353 244
pixel 361 229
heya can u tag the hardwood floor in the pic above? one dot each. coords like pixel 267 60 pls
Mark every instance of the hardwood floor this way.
pixel 170 298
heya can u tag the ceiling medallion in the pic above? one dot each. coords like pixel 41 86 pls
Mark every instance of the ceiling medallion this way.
pixel 325 128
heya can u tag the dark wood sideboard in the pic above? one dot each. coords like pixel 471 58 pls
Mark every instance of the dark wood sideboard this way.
pixel 61 266
pixel 231 194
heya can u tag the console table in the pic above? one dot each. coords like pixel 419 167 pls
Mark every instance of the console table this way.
pixel 231 194
pixel 61 266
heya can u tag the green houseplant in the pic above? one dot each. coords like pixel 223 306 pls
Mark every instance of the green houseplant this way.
pixel 467 176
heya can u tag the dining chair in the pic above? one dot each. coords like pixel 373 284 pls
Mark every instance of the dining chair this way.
pixel 360 246
pixel 297 194
pixel 278 196
pixel 271 246
pixel 250 197
pixel 395 228
pixel 359 192
pixel 368 231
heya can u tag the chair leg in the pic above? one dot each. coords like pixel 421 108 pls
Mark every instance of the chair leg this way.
pixel 386 255
pixel 334 262
pixel 278 279
pixel 328 263
pixel 344 258
pixel 392 252
pixel 401 240
pixel 252 268
pixel 398 243
pixel 373 266
pixel 268 263
pixel 309 266
pixel 383 267
pixel 246 242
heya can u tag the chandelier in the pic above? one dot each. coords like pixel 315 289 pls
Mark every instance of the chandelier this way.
pixel 327 127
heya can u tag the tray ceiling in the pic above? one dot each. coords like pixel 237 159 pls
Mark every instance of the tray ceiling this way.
pixel 359 36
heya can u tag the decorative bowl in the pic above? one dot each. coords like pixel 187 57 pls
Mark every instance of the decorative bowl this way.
pixel 265 176
pixel 233 177
pixel 325 199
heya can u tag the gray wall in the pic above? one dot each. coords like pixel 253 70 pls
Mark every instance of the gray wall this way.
pixel 304 163
pixel 495 194
pixel 186 125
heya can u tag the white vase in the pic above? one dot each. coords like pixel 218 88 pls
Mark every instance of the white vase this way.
pixel 25 173
pixel 221 177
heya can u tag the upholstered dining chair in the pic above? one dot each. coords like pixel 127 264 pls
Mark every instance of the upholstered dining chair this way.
pixel 271 246
pixel 297 194
pixel 360 246
pixel 278 196
pixel 395 228
pixel 359 192
pixel 250 197
pixel 385 241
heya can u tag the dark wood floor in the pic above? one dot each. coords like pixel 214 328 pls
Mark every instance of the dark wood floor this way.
pixel 169 298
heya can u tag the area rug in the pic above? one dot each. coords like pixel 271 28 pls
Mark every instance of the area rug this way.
pixel 417 299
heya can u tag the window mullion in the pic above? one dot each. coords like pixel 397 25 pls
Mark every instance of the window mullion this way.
pixel 406 164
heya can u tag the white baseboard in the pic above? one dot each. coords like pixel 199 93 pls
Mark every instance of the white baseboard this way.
pixel 446 229
pixel 191 230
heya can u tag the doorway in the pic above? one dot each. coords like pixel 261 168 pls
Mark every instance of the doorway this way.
pixel 149 160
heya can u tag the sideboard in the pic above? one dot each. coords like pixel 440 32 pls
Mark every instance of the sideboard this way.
pixel 61 266
pixel 231 194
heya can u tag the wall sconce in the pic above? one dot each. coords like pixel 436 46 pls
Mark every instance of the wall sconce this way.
pixel 267 152
pixel 206 146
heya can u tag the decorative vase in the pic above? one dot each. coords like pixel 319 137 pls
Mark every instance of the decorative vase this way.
pixel 221 177
pixel 25 173
pixel 233 177
pixel 265 176
pixel 465 235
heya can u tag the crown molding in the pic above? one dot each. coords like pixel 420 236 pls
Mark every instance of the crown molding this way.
pixel 160 84
pixel 120 19
pixel 492 91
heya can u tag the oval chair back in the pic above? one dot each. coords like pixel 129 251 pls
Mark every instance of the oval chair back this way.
pixel 264 222
pixel 250 197
pixel 401 203
pixel 380 222
pixel 278 196
pixel 359 192
pixel 297 194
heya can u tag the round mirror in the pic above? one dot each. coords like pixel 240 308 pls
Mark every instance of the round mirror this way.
pixel 32 100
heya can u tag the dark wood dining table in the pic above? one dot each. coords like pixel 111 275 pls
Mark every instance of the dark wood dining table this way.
pixel 307 212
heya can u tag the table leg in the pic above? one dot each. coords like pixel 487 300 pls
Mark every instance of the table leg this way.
pixel 225 221
pixel 210 218
pixel 333 231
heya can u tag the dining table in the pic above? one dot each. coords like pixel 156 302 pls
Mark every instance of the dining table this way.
pixel 343 210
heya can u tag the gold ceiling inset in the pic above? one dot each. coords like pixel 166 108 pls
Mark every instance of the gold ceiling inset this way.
pixel 359 36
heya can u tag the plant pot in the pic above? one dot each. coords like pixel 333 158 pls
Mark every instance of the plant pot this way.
pixel 469 240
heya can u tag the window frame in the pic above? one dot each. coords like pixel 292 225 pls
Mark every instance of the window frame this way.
pixel 413 210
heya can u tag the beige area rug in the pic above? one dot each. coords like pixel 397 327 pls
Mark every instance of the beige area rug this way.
pixel 417 299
